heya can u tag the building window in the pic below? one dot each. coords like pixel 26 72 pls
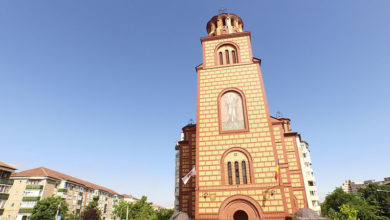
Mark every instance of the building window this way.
pixel 234 56
pixel 237 172
pixel 231 111
pixel 230 173
pixel 244 172
pixel 227 57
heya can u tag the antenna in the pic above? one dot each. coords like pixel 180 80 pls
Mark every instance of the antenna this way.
pixel 279 114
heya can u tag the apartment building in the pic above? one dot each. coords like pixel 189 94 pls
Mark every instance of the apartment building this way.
pixel 308 175
pixel 30 186
pixel 129 198
pixel 5 185
pixel 351 186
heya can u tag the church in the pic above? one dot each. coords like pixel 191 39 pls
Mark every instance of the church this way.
pixel 248 164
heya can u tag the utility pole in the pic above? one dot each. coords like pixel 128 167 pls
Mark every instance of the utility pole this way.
pixel 58 209
pixel 127 212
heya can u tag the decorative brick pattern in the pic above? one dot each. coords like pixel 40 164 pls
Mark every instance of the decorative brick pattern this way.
pixel 267 140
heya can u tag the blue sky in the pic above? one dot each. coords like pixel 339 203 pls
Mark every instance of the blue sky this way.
pixel 100 89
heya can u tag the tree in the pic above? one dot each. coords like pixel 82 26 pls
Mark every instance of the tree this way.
pixel 46 209
pixel 91 214
pixel 339 202
pixel 347 213
pixel 140 210
pixel 92 211
pixel 377 196
pixel 74 217
pixel 120 208
pixel 163 214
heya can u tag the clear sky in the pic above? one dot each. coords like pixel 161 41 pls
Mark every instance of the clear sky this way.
pixel 101 89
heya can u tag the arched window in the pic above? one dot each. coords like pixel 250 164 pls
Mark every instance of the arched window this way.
pixel 232 115
pixel 244 172
pixel 227 57
pixel 237 169
pixel 234 56
pixel 230 173
pixel 230 52
pixel 240 172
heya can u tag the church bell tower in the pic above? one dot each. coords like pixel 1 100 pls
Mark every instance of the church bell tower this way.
pixel 247 163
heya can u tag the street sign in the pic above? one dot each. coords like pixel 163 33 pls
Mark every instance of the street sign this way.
pixel 58 217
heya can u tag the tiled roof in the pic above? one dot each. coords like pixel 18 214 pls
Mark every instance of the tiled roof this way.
pixel 129 197
pixel 2 164
pixel 45 172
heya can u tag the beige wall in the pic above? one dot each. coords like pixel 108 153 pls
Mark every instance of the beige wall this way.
pixel 15 199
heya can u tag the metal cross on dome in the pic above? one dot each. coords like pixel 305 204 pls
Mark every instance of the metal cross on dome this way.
pixel 222 10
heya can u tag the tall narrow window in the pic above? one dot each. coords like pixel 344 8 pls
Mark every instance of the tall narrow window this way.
pixel 230 173
pixel 227 57
pixel 244 172
pixel 224 21
pixel 220 58
pixel 234 56
pixel 237 172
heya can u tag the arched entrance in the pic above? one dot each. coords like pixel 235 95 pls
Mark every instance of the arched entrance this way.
pixel 240 207
pixel 240 215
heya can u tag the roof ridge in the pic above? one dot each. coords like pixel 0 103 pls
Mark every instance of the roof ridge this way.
pixel 44 171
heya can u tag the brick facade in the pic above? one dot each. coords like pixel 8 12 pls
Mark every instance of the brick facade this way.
pixel 264 141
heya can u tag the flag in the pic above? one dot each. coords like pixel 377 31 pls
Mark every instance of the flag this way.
pixel 188 176
pixel 277 171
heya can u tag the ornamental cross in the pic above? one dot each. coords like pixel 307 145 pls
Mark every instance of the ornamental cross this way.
pixel 222 10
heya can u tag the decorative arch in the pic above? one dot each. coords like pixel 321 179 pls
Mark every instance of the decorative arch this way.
pixel 240 202
pixel 233 53
pixel 232 112
pixel 224 166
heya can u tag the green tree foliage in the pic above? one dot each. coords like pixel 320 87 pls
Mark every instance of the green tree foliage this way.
pixel 140 210
pixel 46 209
pixel 347 213
pixel 377 196
pixel 74 217
pixel 92 211
pixel 163 214
pixel 366 205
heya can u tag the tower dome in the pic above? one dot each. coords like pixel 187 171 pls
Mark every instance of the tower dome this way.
pixel 224 23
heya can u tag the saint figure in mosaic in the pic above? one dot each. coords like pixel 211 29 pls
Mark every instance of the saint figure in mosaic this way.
pixel 232 114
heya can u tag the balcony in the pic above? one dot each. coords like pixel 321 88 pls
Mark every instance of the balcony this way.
pixel 6 182
pixel 62 190
pixel 4 196
pixel 31 198
pixel 34 187
pixel 25 210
